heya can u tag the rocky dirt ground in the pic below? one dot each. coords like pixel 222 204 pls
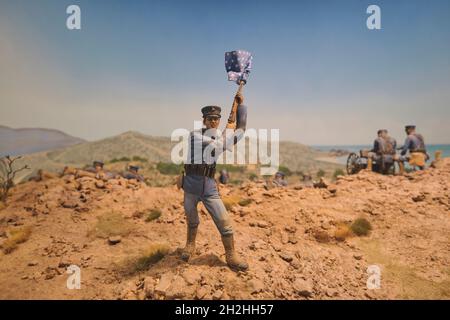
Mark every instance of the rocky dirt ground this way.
pixel 288 236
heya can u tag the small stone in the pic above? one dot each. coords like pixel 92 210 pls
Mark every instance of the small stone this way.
pixel 292 239
pixel 286 257
pixel 290 229
pixel 149 287
pixel 177 289
pixel 331 292
pixel 332 189
pixel 99 184
pixel 202 292
pixel 357 256
pixel 217 295
pixel 255 285
pixel 370 294
pixel 303 287
pixel 262 224
pixel 33 263
pixel 284 238
pixel 69 204
pixel 418 198
pixel 164 283
pixel 114 240
pixel 191 277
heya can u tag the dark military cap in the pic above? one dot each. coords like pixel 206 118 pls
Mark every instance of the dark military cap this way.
pixel 279 173
pixel 410 126
pixel 211 111
pixel 135 168
pixel 98 163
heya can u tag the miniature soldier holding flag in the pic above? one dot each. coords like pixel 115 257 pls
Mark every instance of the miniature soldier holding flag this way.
pixel 205 146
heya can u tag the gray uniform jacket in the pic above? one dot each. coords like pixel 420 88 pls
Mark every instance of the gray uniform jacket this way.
pixel 414 143
pixel 205 147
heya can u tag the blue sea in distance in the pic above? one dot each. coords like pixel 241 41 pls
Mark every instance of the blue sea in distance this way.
pixel 431 148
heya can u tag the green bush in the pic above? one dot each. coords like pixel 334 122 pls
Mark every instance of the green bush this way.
pixel 285 170
pixel 361 227
pixel 168 168
pixel 143 261
pixel 123 159
pixel 153 215
pixel 252 176
pixel 137 158
pixel 320 173
pixel 245 202
pixel 338 172
pixel 230 168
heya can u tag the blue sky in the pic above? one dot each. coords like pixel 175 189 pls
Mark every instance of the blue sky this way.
pixel 319 75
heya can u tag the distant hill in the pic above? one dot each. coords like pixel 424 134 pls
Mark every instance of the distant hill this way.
pixel 30 140
pixel 295 156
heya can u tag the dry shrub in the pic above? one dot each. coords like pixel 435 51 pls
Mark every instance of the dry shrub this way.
pixel 231 201
pixel 361 227
pixel 16 236
pixel 321 236
pixel 110 224
pixel 153 214
pixel 244 202
pixel 145 260
pixel 342 232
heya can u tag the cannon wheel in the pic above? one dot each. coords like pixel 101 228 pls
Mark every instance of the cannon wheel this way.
pixel 352 166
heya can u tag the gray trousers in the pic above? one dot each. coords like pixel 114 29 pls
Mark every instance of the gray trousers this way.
pixel 215 207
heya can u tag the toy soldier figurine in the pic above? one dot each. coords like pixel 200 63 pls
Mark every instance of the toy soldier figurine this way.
pixel 199 184
pixel 415 144
pixel 383 151
pixel 96 171
pixel 132 173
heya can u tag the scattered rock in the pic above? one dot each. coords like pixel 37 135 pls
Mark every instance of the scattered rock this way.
pixel 321 236
pixel 191 276
pixel 217 295
pixel 418 197
pixel 255 285
pixel 100 184
pixel 262 224
pixel 286 256
pixel 114 240
pixel 202 292
pixel 164 283
pixel 149 287
pixel 177 288
pixel 303 288
pixel 69 203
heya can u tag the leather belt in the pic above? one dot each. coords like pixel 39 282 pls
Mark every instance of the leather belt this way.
pixel 200 170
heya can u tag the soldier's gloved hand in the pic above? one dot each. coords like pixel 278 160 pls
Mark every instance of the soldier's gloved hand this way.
pixel 239 98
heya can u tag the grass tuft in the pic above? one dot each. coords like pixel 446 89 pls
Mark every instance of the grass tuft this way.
pixel 361 227
pixel 16 237
pixel 231 201
pixel 244 202
pixel 145 260
pixel 110 224
pixel 153 215
pixel 342 232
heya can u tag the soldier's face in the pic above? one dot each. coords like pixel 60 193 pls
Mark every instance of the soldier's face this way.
pixel 212 122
